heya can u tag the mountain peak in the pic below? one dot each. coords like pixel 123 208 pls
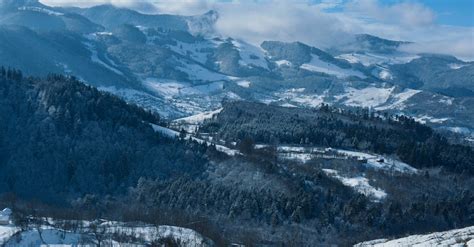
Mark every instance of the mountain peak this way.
pixel 212 14
pixel 203 24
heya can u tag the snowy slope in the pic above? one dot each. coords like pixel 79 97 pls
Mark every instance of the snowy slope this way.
pixel 111 233
pixel 460 237
pixel 368 59
pixel 318 65
pixel 174 134
pixel 250 55
pixel 374 161
pixel 359 184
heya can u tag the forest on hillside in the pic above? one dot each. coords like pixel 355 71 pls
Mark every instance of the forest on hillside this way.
pixel 414 143
pixel 69 150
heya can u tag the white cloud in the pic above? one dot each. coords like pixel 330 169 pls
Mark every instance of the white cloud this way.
pixel 305 21
pixel 456 41
pixel 280 20
pixel 184 7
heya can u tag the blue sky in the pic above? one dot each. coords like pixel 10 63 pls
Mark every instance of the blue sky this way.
pixel 448 12
pixel 453 12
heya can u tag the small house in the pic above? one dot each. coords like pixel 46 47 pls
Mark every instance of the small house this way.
pixel 5 216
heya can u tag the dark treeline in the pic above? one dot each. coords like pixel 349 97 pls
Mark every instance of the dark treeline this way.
pixel 60 138
pixel 414 143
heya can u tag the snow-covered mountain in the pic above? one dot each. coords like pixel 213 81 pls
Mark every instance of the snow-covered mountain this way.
pixel 179 65
pixel 457 237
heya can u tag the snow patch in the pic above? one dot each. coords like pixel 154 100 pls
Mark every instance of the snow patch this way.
pixel 139 234
pixel 359 184
pixel 373 161
pixel 457 237
pixel 368 59
pixel 250 55
pixel 398 100
pixel 456 66
pixel 199 118
pixel 295 96
pixel 379 161
pixel 197 72
pixel 425 118
pixel 41 10
pixel 245 84
pixel 283 63
pixel 366 97
pixel 174 134
pixel 318 65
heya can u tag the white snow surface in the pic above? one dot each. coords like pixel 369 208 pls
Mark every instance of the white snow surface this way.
pixel 398 100
pixel 297 96
pixel 359 184
pixel 368 59
pixel 197 72
pixel 250 55
pixel 174 134
pixel 459 237
pixel 456 66
pixel 169 88
pixel 84 235
pixel 379 161
pixel 199 118
pixel 283 63
pixel 41 10
pixel 6 232
pixel 380 98
pixel 425 118
pixel 366 97
pixel 375 161
pixel 318 65
pixel 385 74
pixel 245 83
pixel 198 51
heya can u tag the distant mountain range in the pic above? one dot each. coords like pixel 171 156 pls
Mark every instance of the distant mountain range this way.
pixel 179 65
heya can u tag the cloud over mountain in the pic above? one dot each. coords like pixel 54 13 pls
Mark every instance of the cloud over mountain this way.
pixel 320 23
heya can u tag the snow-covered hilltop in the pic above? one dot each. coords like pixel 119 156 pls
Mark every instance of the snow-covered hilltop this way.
pixel 48 232
pixel 459 237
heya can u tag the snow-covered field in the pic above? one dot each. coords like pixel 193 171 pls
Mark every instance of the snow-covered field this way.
pixel 192 122
pixel 366 97
pixel 398 100
pixel 109 233
pixel 374 161
pixel 368 59
pixel 174 134
pixel 379 161
pixel 359 184
pixel 460 238
pixel 250 55
pixel 296 96
pixel 318 65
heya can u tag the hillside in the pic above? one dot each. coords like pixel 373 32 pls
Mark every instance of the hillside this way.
pixel 62 137
pixel 413 143
pixel 457 237
pixel 82 148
